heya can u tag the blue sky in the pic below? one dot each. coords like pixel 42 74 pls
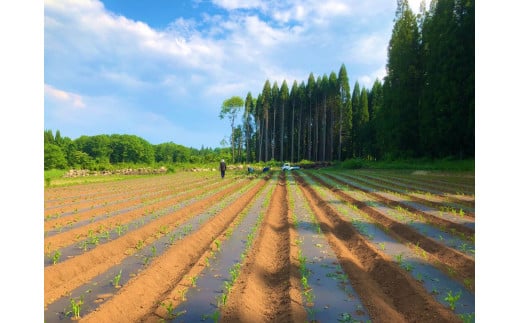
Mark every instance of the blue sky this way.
pixel 161 69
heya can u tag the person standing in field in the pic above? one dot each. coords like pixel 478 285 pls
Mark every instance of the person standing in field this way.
pixel 222 168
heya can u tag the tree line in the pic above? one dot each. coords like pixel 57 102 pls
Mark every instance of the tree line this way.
pixel 102 152
pixel 424 107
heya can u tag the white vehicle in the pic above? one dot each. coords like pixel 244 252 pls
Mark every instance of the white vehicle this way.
pixel 288 166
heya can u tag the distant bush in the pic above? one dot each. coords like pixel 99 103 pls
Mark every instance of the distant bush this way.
pixel 353 164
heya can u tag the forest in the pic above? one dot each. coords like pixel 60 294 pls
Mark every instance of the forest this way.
pixel 423 108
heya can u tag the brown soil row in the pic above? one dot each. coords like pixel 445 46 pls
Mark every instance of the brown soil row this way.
pixel 67 238
pixel 160 200
pixel 102 198
pixel 463 265
pixel 65 276
pixel 424 186
pixel 435 201
pixel 267 289
pixel 439 222
pixel 140 296
pixel 387 291
pixel 59 194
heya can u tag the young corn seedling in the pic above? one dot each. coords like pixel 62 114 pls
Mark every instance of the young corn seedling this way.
pixel 467 317
pixel 116 279
pixel 75 307
pixel 139 245
pixel 182 293
pixel 56 257
pixel 193 281
pixel 169 309
pixel 452 299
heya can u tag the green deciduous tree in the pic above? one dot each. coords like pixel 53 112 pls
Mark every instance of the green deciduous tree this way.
pixel 230 108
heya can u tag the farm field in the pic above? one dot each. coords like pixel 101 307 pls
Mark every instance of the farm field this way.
pixel 303 245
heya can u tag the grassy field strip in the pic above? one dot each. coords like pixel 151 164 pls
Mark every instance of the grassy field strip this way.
pixel 151 285
pixel 421 187
pixel 327 293
pixel 438 202
pixel 95 239
pixel 437 283
pixel 207 292
pixel 449 259
pixel 102 225
pixel 461 242
pixel 61 277
pixel 132 265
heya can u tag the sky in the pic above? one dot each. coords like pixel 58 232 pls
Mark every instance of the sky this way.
pixel 162 69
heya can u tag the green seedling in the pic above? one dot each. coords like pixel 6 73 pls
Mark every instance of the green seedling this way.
pixel 467 317
pixel 163 229
pixel 468 282
pixel 139 245
pixel 311 312
pixel 169 309
pixel 346 317
pixel 56 257
pixel 116 279
pixel 407 266
pixel 84 245
pixel 119 229
pixel 75 307
pixel 399 258
pixel 382 245
pixel 217 243
pixel 182 293
pixel 154 251
pixel 146 261
pixel 215 316
pixel 305 283
pixel 222 299
pixel 452 299
pixel 193 281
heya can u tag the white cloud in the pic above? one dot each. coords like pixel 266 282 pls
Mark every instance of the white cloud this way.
pixel 71 99
pixel 240 4
pixel 371 48
pixel 181 74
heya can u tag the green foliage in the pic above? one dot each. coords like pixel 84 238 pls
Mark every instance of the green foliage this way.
pixel 452 299
pixel 54 158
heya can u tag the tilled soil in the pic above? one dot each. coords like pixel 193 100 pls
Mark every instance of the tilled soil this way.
pixel 268 287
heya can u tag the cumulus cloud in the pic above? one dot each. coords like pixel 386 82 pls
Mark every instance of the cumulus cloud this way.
pixel 106 63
